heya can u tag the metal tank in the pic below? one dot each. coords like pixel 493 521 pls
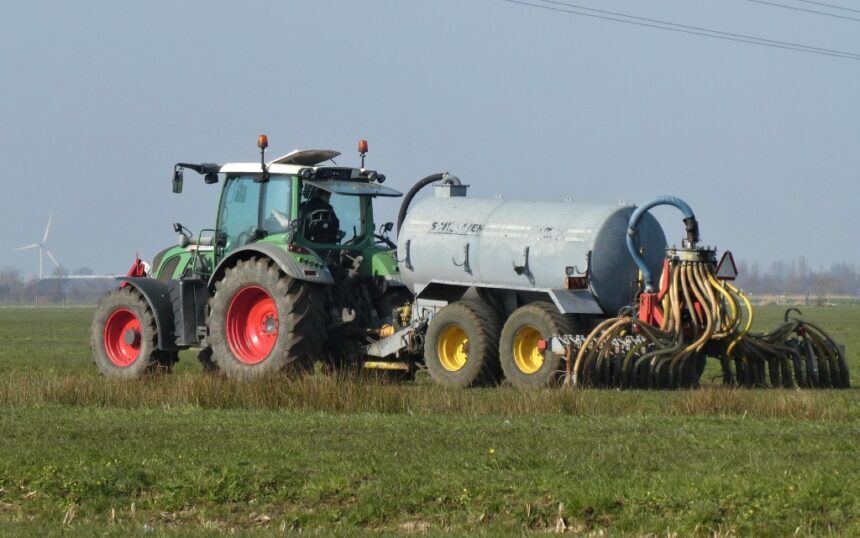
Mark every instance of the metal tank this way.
pixel 451 239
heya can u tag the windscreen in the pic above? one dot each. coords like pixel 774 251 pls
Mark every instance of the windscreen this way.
pixel 250 210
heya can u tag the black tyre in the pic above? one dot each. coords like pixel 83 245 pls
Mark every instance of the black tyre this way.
pixel 262 322
pixel 460 345
pixel 205 358
pixel 524 362
pixel 124 338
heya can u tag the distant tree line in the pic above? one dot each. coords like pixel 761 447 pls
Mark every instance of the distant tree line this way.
pixel 798 278
pixel 15 289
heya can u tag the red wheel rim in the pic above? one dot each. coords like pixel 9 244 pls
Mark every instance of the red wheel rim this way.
pixel 122 337
pixel 252 324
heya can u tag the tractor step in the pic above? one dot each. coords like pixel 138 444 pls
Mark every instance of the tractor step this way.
pixel 383 365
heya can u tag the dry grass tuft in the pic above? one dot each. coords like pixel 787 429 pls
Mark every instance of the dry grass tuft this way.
pixel 358 393
pixel 795 404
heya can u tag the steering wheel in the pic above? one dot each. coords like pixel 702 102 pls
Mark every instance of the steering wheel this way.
pixel 320 215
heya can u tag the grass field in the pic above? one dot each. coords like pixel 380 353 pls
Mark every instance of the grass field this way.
pixel 194 454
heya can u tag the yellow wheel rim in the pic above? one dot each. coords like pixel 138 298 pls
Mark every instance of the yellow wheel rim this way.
pixel 527 355
pixel 452 347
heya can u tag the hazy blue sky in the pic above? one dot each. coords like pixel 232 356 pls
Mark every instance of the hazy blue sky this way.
pixel 100 98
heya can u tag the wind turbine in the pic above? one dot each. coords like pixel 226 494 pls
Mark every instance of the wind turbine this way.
pixel 41 246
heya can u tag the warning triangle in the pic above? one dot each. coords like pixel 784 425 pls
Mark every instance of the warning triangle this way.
pixel 726 269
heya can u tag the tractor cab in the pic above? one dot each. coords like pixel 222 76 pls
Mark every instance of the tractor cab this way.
pixel 294 199
pixel 323 208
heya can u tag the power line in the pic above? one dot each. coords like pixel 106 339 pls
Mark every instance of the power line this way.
pixel 805 10
pixel 829 5
pixel 574 9
pixel 709 31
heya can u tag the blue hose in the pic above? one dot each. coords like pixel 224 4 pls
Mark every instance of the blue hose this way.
pixel 632 232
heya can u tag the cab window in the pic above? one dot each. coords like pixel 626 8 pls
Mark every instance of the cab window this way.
pixel 239 215
pixel 350 211
pixel 251 210
pixel 276 205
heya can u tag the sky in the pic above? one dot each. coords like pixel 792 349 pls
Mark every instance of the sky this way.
pixel 100 98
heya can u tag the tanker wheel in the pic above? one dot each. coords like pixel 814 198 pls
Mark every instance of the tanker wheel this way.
pixel 460 345
pixel 123 336
pixel 262 322
pixel 526 359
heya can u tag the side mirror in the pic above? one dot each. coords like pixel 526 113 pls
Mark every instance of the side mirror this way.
pixel 387 227
pixel 177 180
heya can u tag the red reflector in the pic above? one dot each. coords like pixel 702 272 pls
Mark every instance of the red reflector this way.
pixel 542 344
pixel 310 273
pixel 297 249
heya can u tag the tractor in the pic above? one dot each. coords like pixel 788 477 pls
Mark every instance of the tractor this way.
pixel 294 271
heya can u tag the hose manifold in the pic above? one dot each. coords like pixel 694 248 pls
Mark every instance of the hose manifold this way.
pixel 701 255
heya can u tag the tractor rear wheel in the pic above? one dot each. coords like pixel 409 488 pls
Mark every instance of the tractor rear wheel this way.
pixel 124 338
pixel 460 346
pixel 262 322
pixel 526 359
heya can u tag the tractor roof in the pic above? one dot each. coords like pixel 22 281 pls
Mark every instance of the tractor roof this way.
pixel 290 163
pixel 340 179
pixel 306 157
pixel 255 168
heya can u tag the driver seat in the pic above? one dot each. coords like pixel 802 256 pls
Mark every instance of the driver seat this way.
pixel 322 226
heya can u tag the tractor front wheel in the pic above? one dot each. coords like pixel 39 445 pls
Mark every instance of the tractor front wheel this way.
pixel 262 322
pixel 123 336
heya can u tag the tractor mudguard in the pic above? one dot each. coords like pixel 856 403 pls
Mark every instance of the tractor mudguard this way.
pixel 286 261
pixel 158 298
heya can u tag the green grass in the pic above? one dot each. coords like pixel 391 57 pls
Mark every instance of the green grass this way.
pixel 189 453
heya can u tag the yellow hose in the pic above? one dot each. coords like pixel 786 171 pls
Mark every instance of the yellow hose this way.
pixel 732 320
pixel 706 309
pixel 749 321
pixel 614 322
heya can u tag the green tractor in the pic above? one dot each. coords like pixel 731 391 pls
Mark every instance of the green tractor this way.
pixel 295 271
